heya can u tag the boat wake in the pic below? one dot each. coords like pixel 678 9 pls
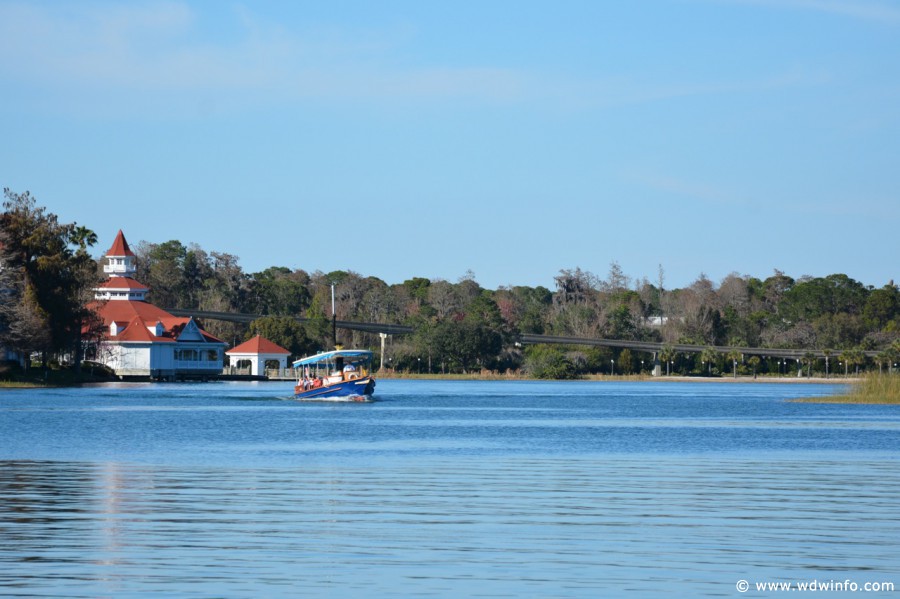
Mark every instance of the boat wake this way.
pixel 343 399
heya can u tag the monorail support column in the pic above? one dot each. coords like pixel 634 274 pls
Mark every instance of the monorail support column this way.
pixel 383 337
pixel 657 368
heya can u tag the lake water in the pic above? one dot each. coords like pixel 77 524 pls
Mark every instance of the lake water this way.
pixel 443 489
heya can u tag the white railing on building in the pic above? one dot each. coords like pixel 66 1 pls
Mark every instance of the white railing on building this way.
pixel 197 365
pixel 234 370
pixel 284 373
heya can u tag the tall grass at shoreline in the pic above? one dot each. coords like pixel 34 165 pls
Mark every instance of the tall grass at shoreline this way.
pixel 873 388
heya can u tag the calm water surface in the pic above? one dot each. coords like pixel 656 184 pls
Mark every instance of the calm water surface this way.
pixel 483 489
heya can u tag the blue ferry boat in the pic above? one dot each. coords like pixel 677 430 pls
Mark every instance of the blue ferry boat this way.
pixel 339 375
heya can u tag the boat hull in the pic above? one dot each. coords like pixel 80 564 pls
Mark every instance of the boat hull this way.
pixel 360 389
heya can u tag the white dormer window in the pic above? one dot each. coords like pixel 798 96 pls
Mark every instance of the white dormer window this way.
pixel 113 329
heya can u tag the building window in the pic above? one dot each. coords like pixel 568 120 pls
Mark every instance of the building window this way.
pixel 186 355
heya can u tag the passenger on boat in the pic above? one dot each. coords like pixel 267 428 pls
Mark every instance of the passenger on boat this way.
pixel 317 382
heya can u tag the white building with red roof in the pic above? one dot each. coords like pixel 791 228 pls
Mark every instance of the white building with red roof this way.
pixel 142 340
pixel 258 353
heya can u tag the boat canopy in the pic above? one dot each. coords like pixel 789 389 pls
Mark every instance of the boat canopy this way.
pixel 351 356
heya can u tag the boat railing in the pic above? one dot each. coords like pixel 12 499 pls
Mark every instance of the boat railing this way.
pixel 296 374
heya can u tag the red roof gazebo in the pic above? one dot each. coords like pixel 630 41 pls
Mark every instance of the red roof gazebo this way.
pixel 258 351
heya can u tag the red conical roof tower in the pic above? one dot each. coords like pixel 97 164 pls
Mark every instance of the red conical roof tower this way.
pixel 120 246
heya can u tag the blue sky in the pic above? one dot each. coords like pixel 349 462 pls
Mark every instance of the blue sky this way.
pixel 512 139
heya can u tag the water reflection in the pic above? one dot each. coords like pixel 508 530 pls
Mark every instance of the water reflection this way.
pixel 452 490
pixel 510 526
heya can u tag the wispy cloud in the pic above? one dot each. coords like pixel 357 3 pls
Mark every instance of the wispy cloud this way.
pixel 857 9
pixel 158 47
pixel 828 205
pixel 706 193
pixel 643 90
pixel 156 56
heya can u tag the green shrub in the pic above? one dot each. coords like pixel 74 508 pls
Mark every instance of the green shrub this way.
pixel 546 362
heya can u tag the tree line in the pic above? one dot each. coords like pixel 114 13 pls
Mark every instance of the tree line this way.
pixel 47 278
pixel 459 326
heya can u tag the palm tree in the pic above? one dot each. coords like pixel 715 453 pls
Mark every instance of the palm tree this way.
pixel 82 237
pixel 667 354
pixel 754 363
pixel 733 355
pixel 708 356
pixel 810 358
pixel 845 357
pixel 857 357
